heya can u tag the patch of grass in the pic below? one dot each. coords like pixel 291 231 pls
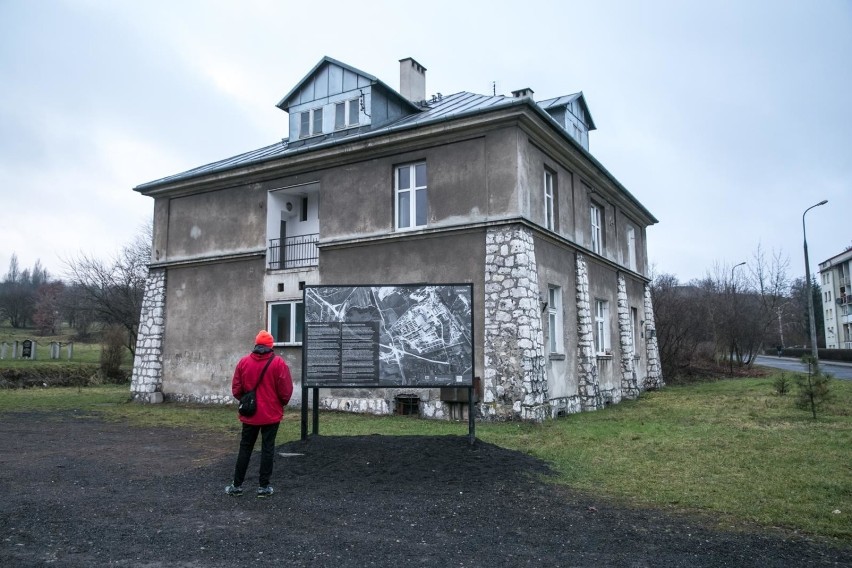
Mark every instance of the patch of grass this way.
pixel 731 448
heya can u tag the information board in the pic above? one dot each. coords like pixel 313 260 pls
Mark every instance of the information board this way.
pixel 388 336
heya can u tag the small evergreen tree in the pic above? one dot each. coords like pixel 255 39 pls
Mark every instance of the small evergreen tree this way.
pixel 813 388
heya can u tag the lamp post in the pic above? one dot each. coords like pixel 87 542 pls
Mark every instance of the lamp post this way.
pixel 814 350
pixel 733 319
pixel 732 272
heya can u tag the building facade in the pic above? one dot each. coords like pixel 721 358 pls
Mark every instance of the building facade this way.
pixel 375 186
pixel 836 287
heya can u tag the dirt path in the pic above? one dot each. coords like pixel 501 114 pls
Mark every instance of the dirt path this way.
pixel 78 491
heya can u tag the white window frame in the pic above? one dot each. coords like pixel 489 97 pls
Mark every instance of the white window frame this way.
pixel 305 125
pixel 316 121
pixel 549 202
pixel 596 213
pixel 631 247
pixel 340 117
pixel 351 114
pixel 602 339
pixel 354 108
pixel 293 323
pixel 313 125
pixel 410 194
pixel 554 319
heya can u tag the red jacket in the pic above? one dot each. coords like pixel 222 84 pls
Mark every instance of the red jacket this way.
pixel 274 392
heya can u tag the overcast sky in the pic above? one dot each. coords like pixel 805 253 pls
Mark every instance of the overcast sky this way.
pixel 725 119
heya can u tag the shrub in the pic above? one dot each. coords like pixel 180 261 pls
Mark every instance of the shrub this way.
pixel 112 354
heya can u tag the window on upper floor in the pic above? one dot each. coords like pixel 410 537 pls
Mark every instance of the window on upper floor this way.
pixel 631 248
pixel 339 115
pixel 602 341
pixel 549 201
pixel 304 124
pixel 554 319
pixel 354 112
pixel 346 114
pixel 597 228
pixel 317 120
pixel 286 322
pixel 310 123
pixel 410 196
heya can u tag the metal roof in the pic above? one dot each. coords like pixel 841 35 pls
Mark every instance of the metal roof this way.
pixel 566 100
pixel 282 103
pixel 437 109
pixel 446 107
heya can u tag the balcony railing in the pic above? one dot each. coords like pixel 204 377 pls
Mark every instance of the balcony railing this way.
pixel 293 252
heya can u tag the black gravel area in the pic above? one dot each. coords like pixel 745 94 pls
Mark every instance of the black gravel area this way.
pixel 78 491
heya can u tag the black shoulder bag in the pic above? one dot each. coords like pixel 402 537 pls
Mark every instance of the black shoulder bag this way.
pixel 248 402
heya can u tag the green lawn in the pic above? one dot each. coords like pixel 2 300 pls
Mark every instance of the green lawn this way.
pixel 732 449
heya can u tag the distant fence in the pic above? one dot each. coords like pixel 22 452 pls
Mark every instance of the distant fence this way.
pixel 29 349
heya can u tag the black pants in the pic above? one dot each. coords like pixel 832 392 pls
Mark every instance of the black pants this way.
pixel 267 452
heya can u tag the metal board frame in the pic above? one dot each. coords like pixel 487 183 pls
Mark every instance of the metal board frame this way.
pixel 387 336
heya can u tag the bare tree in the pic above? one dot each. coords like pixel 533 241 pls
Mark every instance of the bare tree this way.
pixel 48 316
pixel 18 292
pixel 725 318
pixel 77 311
pixel 681 323
pixel 742 306
pixel 114 288
pixel 771 286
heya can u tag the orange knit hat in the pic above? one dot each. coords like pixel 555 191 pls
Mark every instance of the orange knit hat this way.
pixel 264 338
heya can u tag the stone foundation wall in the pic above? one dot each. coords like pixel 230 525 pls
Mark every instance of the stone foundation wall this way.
pixel 587 365
pixel 147 380
pixel 654 377
pixel 515 381
pixel 629 382
pixel 204 399
pixel 565 405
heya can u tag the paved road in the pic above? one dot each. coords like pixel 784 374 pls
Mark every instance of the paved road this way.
pixel 837 370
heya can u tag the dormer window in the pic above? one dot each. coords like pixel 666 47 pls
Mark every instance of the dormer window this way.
pixel 304 124
pixel 346 114
pixel 317 126
pixel 353 112
pixel 310 123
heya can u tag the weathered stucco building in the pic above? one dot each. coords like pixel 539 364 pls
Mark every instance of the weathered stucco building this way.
pixel 374 186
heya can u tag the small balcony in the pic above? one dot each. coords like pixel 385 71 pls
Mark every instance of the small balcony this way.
pixel 293 252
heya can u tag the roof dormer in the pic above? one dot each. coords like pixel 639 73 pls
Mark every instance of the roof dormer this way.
pixel 335 98
pixel 572 113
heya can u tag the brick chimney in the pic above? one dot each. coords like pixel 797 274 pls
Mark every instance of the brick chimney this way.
pixel 521 93
pixel 412 80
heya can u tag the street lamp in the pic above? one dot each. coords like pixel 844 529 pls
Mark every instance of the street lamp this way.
pixel 733 332
pixel 732 271
pixel 814 350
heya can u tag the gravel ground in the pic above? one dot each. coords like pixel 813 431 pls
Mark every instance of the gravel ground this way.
pixel 78 491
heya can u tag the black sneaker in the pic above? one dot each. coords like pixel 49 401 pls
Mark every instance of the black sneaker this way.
pixel 233 490
pixel 265 491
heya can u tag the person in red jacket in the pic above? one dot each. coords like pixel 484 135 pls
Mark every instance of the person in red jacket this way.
pixel 272 394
